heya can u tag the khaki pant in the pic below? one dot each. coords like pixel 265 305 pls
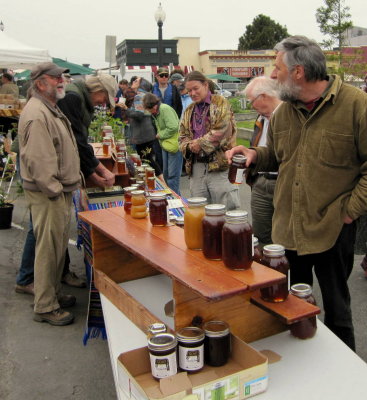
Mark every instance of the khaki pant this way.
pixel 51 222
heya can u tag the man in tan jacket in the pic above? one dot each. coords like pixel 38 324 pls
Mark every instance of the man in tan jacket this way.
pixel 49 163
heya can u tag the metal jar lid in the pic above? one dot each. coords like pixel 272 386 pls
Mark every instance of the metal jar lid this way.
pixel 273 250
pixel 239 158
pixel 255 241
pixel 236 216
pixel 157 196
pixel 215 209
pixel 137 193
pixel 162 342
pixel 216 328
pixel 157 327
pixel 190 334
pixel 301 290
pixel 197 201
pixel 129 188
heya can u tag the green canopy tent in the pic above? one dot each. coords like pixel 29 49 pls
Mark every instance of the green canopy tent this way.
pixel 224 77
pixel 75 69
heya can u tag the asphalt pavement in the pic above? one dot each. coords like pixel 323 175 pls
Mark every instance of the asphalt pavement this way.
pixel 42 362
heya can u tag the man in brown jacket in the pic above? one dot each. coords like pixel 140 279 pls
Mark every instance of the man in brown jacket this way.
pixel 317 140
pixel 49 163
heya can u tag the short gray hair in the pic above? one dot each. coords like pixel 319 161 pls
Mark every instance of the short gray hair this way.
pixel 299 50
pixel 261 85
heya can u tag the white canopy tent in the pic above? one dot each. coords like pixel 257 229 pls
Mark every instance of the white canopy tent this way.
pixel 17 55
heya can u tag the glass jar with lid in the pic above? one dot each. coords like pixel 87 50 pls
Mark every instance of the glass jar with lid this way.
pixel 237 248
pixel 305 328
pixel 127 198
pixel 274 257
pixel 257 251
pixel 217 345
pixel 213 222
pixel 193 222
pixel 138 204
pixel 121 165
pixel 162 354
pixel 190 343
pixel 237 169
pixel 158 209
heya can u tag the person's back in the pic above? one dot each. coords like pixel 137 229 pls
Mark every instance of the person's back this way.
pixel 8 86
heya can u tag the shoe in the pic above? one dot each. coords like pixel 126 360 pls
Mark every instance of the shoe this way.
pixel 72 280
pixel 57 317
pixel 26 289
pixel 67 300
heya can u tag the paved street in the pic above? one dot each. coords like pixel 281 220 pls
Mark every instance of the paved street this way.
pixel 42 362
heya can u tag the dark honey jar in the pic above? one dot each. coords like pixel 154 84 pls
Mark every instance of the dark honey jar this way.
pixel 162 353
pixel 158 209
pixel 305 328
pixel 212 223
pixel 190 348
pixel 237 169
pixel 217 344
pixel 273 257
pixel 127 198
pixel 237 241
pixel 257 251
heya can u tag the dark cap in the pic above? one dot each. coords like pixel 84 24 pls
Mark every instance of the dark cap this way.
pixel 162 70
pixel 47 68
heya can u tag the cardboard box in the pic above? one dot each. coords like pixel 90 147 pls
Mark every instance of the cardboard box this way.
pixel 245 375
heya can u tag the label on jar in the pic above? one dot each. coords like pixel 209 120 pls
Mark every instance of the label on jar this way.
pixel 239 175
pixel 191 358
pixel 163 366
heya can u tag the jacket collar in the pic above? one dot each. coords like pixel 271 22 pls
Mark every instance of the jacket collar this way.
pixel 54 109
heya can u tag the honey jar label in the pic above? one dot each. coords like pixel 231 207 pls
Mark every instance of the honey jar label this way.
pixel 163 366
pixel 191 358
pixel 239 175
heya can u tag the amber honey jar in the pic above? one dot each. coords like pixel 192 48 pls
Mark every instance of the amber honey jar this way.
pixel 149 172
pixel 127 198
pixel 151 183
pixel 162 354
pixel 257 251
pixel 106 130
pixel 274 258
pixel 217 344
pixel 106 146
pixel 237 248
pixel 306 328
pixel 121 165
pixel 193 228
pixel 138 204
pixel 120 146
pixel 158 209
pixel 141 184
pixel 213 222
pixel 190 343
pixel 237 169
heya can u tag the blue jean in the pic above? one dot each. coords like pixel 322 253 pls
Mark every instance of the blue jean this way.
pixel 172 166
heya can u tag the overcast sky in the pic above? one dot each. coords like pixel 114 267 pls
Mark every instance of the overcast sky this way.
pixel 76 29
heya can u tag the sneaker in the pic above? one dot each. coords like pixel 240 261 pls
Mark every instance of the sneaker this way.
pixel 73 280
pixel 57 317
pixel 67 300
pixel 26 289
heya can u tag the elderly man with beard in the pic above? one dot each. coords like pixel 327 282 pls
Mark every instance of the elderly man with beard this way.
pixel 317 140
pixel 49 163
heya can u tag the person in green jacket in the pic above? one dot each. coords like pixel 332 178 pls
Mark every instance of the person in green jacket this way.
pixel 167 124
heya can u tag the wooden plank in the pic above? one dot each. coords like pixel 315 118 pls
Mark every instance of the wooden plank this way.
pixel 246 321
pixel 133 310
pixel 116 262
pixel 210 283
pixel 291 310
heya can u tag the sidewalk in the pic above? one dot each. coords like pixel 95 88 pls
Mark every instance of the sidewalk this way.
pixel 42 362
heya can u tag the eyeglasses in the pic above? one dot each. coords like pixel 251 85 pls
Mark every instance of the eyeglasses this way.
pixel 163 75
pixel 251 102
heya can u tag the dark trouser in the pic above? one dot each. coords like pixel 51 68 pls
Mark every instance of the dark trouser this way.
pixel 332 269
pixel 146 152
pixel 158 153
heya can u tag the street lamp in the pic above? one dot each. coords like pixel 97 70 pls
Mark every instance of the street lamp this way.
pixel 1 26
pixel 160 16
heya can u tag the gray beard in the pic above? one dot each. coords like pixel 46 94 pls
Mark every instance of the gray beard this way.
pixel 288 91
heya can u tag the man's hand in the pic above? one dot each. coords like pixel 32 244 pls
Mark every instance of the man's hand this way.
pixel 249 153
pixel 195 146
pixel 104 177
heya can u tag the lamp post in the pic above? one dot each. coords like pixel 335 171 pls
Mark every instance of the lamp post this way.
pixel 1 26
pixel 160 16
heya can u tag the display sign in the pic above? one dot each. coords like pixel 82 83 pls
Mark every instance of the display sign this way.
pixel 110 49
pixel 241 72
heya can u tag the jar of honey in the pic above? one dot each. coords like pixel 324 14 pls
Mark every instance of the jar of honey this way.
pixel 151 183
pixel 237 248
pixel 190 343
pixel 193 228
pixel 217 345
pixel 121 165
pixel 120 146
pixel 136 159
pixel 138 204
pixel 106 130
pixel 274 257
pixel 158 209
pixel 141 185
pixel 306 328
pixel 127 198
pixel 237 169
pixel 213 222
pixel 106 146
pixel 257 251
pixel 162 354
pixel 149 172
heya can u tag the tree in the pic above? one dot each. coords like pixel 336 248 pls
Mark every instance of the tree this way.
pixel 334 20
pixel 263 33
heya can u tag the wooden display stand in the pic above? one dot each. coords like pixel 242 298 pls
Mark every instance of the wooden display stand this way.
pixel 126 249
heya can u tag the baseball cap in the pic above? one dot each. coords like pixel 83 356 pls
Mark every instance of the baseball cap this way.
pixel 162 70
pixel 110 85
pixel 176 77
pixel 47 68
